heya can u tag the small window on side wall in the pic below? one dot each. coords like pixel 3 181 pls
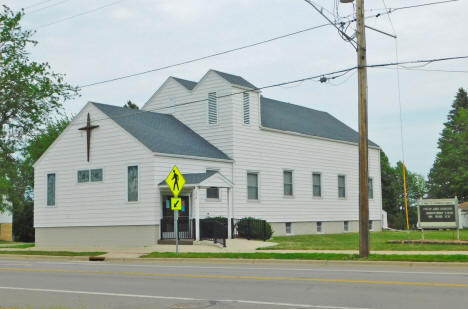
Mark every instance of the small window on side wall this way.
pixel 132 183
pixel 341 186
pixel 288 228
pixel 83 176
pixel 371 225
pixel 317 184
pixel 346 226
pixel 212 193
pixel 51 189
pixel 96 174
pixel 252 186
pixel 288 183
pixel 371 188
pixel 319 227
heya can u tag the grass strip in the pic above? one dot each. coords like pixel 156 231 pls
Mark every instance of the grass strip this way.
pixel 378 241
pixel 20 246
pixel 314 256
pixel 51 253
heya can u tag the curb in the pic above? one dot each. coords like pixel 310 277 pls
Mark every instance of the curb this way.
pixel 234 261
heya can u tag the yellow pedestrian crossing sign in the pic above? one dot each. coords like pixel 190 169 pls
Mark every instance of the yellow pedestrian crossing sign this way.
pixel 175 181
pixel 176 203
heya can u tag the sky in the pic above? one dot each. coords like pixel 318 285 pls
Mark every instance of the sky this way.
pixel 131 36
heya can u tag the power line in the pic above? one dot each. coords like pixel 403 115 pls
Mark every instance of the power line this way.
pixel 387 11
pixel 36 4
pixel 332 75
pixel 417 69
pixel 204 57
pixel 343 71
pixel 334 24
pixel 79 14
pixel 225 52
pixel 421 5
pixel 46 7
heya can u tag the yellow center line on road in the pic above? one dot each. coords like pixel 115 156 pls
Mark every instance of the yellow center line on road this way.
pixel 246 277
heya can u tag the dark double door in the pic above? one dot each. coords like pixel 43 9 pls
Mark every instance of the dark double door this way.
pixel 186 225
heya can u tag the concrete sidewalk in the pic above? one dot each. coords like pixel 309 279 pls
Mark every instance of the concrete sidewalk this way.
pixel 232 246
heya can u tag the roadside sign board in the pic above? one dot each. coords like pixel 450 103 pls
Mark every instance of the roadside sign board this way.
pixel 176 203
pixel 175 181
pixel 438 213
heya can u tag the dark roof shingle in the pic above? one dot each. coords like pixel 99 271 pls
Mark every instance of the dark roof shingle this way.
pixel 235 79
pixel 161 133
pixel 194 178
pixel 294 118
pixel 188 84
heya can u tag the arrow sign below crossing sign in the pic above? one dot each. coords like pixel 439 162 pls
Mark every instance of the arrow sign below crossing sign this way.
pixel 176 203
pixel 175 181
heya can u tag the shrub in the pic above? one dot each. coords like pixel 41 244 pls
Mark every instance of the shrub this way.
pixel 252 228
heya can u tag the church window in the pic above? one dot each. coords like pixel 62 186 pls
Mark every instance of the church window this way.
pixel 132 183
pixel 51 189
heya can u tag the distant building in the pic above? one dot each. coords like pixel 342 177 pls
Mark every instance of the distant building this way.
pixel 6 226
pixel 463 215
pixel 243 155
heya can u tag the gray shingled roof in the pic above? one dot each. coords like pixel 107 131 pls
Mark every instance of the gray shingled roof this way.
pixel 193 178
pixel 235 80
pixel 294 118
pixel 161 133
pixel 186 83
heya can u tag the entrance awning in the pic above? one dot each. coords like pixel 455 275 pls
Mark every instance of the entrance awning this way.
pixel 203 180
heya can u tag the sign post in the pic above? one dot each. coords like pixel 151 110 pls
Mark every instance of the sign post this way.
pixel 438 214
pixel 176 182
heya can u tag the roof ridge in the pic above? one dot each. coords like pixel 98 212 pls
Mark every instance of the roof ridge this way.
pixel 140 111
pixel 179 78
pixel 235 79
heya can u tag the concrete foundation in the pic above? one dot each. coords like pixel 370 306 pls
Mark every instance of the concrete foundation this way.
pixel 97 236
pixel 328 227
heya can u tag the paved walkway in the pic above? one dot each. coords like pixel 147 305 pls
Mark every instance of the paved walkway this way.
pixel 232 245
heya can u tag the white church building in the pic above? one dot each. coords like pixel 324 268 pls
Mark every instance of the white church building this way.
pixel 101 183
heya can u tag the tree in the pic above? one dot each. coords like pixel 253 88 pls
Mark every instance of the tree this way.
pixel 23 203
pixel 393 197
pixel 449 174
pixel 131 105
pixel 390 188
pixel 30 95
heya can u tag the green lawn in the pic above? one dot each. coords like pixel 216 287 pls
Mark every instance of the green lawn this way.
pixel 350 241
pixel 314 256
pixel 17 246
pixel 51 253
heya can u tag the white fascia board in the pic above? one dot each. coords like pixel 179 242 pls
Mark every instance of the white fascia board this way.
pixel 312 136
pixel 156 154
pixel 205 183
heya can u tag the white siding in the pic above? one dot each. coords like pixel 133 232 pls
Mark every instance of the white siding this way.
pixel 195 115
pixel 95 203
pixel 269 153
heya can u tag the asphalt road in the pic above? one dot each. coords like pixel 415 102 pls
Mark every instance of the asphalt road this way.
pixel 51 284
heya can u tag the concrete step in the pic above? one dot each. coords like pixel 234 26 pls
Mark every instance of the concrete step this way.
pixel 173 242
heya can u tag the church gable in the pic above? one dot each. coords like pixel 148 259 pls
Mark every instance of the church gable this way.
pixel 87 142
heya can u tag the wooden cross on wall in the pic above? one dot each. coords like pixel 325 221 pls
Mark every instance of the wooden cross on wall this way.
pixel 88 129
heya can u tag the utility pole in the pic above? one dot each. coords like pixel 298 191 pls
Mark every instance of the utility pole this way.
pixel 363 136
pixel 360 46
